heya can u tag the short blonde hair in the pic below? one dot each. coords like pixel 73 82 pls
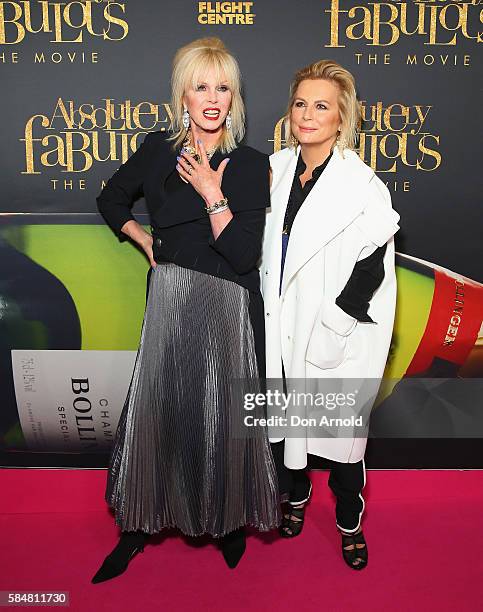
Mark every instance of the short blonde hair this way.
pixel 349 107
pixel 190 63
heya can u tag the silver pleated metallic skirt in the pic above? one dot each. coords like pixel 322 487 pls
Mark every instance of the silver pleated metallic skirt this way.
pixel 177 460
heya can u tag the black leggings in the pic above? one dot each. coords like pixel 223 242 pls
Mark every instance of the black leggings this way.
pixel 346 482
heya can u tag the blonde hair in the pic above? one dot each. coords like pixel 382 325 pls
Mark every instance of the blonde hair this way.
pixel 349 107
pixel 190 64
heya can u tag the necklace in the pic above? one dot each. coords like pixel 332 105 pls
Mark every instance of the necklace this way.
pixel 188 146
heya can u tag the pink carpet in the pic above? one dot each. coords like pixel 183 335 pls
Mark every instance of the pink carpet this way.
pixel 422 527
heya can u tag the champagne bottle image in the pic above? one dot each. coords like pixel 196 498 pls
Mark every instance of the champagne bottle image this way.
pixel 437 328
pixel 435 367
pixel 71 304
pixel 37 312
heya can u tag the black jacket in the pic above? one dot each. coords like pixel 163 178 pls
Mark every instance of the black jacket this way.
pixel 180 225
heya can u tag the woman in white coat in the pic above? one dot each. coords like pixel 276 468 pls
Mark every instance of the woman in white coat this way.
pixel 328 282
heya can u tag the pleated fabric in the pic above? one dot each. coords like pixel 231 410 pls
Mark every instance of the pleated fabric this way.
pixel 178 459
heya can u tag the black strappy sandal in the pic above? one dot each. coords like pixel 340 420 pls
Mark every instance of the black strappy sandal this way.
pixel 355 557
pixel 293 522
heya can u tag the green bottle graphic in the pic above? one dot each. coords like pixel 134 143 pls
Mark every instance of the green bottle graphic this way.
pixel 66 284
pixel 36 312
pixel 438 323
pixel 435 366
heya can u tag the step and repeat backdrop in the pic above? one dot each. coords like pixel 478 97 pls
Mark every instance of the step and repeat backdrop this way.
pixel 83 82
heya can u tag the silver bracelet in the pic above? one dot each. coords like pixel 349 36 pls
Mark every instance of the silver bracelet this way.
pixel 218 210
pixel 219 206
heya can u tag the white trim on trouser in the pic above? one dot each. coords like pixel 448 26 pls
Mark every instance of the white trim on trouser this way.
pixel 296 503
pixel 363 504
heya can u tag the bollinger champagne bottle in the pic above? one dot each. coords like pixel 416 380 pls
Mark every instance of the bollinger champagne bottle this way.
pixel 36 312
pixel 434 373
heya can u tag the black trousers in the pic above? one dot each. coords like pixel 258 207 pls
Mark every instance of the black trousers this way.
pixel 346 482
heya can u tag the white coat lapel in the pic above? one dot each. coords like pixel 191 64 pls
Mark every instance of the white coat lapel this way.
pixel 279 194
pixel 334 202
pixel 283 176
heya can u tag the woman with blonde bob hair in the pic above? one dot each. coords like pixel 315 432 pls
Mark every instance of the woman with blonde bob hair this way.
pixel 348 106
pixel 182 456
pixel 329 286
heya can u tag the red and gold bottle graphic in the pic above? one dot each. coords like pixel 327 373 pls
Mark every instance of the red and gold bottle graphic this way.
pixel 435 366
pixel 438 326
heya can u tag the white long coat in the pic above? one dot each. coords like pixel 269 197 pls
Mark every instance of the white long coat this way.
pixel 345 217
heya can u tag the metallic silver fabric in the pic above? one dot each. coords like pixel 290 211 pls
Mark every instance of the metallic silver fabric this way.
pixel 176 459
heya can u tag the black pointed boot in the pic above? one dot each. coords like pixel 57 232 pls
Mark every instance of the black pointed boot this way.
pixel 117 561
pixel 233 546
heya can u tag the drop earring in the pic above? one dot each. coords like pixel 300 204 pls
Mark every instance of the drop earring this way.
pixel 228 120
pixel 186 118
pixel 339 141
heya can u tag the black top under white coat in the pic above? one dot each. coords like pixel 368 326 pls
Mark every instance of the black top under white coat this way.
pixel 368 273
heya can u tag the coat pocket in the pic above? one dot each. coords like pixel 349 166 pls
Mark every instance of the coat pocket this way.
pixel 328 341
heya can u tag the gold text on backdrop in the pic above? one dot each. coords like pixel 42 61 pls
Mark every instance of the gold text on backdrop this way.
pixel 69 22
pixel 437 22
pixel 225 13
pixel 73 135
